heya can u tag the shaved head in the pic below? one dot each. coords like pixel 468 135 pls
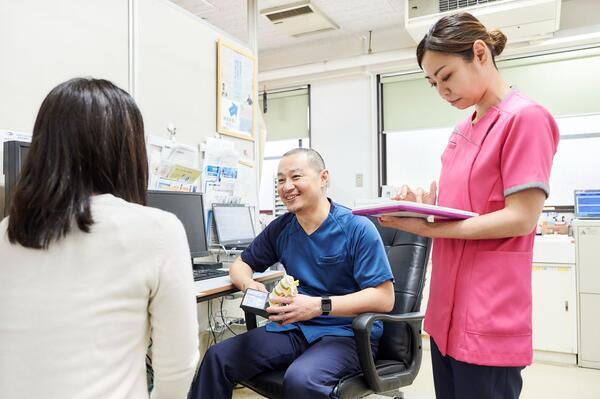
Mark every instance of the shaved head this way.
pixel 315 160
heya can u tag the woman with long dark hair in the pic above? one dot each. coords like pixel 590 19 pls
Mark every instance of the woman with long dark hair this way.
pixel 88 275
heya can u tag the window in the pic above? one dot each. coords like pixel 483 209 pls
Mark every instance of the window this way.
pixel 287 114
pixel 414 122
pixel 566 83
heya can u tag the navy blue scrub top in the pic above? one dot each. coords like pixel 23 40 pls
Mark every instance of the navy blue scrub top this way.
pixel 344 255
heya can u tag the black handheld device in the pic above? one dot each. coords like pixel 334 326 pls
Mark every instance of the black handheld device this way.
pixel 256 302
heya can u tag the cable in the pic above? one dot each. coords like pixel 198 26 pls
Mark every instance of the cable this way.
pixel 149 369
pixel 223 318
pixel 210 323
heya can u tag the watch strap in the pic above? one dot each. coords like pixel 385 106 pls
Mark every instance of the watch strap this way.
pixel 325 305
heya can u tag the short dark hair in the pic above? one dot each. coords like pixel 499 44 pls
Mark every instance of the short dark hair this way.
pixel 315 159
pixel 88 139
pixel 456 33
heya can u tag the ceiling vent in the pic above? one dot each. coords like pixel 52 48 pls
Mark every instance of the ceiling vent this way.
pixel 299 19
pixel 449 5
pixel 519 20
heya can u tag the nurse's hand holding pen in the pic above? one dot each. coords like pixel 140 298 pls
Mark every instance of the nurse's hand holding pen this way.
pixel 412 225
pixel 518 217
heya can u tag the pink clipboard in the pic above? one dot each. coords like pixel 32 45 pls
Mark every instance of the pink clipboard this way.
pixel 412 209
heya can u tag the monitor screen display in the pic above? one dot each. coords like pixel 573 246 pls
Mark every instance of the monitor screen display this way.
pixel 587 204
pixel 188 208
pixel 14 155
pixel 234 225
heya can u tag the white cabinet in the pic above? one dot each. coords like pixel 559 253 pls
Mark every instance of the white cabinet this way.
pixel 553 288
pixel 588 256
pixel 587 233
pixel 589 325
pixel 554 307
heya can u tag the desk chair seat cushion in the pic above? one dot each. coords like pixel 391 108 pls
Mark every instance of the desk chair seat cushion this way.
pixel 269 384
pixel 354 386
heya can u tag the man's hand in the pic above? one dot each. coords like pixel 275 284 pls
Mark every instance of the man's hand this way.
pixel 254 285
pixel 296 308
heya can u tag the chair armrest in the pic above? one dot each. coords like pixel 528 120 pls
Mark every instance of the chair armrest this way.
pixel 362 325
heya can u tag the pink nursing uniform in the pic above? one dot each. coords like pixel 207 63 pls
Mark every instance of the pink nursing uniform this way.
pixel 479 308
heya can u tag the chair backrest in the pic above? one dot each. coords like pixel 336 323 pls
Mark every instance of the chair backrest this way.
pixel 408 255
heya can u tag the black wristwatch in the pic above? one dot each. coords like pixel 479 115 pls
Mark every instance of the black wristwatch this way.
pixel 325 305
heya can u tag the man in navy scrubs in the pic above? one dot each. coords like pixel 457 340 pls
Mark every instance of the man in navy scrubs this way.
pixel 343 271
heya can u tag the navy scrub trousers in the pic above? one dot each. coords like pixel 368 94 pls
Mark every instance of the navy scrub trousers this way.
pixel 312 370
pixel 454 379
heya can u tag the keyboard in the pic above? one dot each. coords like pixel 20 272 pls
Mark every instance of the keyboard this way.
pixel 203 274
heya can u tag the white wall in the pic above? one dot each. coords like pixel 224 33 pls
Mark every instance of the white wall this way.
pixel 175 71
pixel 170 69
pixel 343 131
pixel 43 43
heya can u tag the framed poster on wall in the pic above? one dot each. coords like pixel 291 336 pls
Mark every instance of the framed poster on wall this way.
pixel 236 91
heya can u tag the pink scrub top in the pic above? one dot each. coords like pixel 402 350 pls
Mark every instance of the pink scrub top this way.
pixel 479 308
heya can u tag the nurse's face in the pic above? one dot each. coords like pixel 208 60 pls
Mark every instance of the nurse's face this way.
pixel 461 83
pixel 299 184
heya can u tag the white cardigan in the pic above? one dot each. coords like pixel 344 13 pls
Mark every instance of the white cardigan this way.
pixel 75 320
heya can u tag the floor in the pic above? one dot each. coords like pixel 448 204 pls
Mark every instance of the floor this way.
pixel 540 381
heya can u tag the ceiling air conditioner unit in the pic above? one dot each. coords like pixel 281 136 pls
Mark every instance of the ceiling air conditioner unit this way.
pixel 519 20
pixel 299 19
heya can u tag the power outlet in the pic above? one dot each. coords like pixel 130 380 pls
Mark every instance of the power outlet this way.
pixel 359 180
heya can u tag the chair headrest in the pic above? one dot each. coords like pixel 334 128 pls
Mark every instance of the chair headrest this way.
pixel 394 237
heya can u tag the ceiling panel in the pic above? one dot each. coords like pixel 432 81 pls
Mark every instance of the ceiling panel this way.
pixel 355 18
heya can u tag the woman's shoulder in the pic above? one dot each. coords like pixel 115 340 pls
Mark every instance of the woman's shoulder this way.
pixel 519 105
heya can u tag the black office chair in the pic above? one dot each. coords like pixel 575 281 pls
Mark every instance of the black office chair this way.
pixel 399 355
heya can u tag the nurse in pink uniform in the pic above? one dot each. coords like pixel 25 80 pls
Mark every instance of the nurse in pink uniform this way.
pixel 497 163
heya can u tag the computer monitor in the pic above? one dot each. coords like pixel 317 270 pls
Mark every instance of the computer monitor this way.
pixel 234 225
pixel 587 204
pixel 15 153
pixel 188 208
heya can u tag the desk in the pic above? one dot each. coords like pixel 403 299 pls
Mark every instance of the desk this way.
pixel 215 287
